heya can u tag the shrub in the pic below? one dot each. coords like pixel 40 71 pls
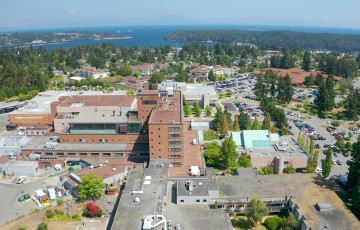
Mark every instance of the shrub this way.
pixel 22 228
pixel 49 214
pixel 210 135
pixel 92 210
pixel 59 201
pixel 42 226
pixel 59 212
pixel 274 223
pixel 216 205
pixel 335 123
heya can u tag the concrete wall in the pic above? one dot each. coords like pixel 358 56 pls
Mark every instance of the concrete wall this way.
pixel 31 118
pixel 192 200
pixel 21 170
pixel 129 138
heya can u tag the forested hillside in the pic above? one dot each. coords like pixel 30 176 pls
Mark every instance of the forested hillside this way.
pixel 336 42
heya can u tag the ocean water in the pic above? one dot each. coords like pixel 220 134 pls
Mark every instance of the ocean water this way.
pixel 148 36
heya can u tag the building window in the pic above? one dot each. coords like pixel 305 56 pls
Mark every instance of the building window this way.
pixel 204 200
pixel 175 135
pixel 175 128
pixel 174 142
pixel 119 154
pixel 149 102
pixel 158 128
pixel 181 201
pixel 106 154
pixel 71 154
pixel 197 201
pixel 60 154
pixel 286 163
pixel 49 154
pixel 144 154
pixel 174 149
pixel 95 154
pixel 83 154
pixel 175 156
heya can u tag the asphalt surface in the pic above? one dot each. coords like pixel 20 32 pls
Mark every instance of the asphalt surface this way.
pixel 9 194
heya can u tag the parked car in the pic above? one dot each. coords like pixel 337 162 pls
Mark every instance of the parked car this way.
pixel 349 162
pixel 339 162
pixel 345 154
pixel 336 154
pixel 353 129
pixel 326 146
pixel 20 180
pixel 334 162
pixel 317 146
pixel 318 170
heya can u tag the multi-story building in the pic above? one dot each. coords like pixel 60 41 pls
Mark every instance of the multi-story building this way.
pixel 155 129
pixel 92 72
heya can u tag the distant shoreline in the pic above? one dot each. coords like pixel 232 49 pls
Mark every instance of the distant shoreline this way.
pixel 57 43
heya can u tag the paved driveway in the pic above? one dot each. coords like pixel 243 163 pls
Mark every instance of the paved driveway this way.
pixel 10 208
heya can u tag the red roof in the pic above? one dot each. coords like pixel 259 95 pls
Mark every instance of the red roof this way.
pixel 297 75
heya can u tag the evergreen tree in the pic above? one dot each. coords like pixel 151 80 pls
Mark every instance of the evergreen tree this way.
pixel 311 148
pixel 309 80
pixel 218 120
pixel 306 61
pixel 260 90
pixel 307 144
pixel 330 84
pixel 228 152
pixel 236 123
pixel 244 161
pixel 197 109
pixel 285 89
pixel 287 61
pixel 266 122
pixel 244 121
pixel 327 163
pixel 319 79
pixel 255 125
pixel 224 126
pixel 208 111
pixel 351 105
pixel 211 76
pixel 229 120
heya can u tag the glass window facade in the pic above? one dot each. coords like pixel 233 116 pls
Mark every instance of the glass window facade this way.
pixel 134 128
pixel 92 128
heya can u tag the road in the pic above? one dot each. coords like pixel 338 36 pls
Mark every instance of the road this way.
pixel 9 194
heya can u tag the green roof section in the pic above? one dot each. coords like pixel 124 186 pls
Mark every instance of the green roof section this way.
pixel 275 137
pixel 255 139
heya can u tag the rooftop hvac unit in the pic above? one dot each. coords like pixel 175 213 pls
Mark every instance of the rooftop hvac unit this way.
pixel 76 178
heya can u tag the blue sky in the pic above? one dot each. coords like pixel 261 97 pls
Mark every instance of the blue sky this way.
pixel 38 14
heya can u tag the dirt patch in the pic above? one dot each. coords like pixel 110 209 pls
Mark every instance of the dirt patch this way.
pixel 348 125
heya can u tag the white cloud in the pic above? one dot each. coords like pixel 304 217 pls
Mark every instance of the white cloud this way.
pixel 72 11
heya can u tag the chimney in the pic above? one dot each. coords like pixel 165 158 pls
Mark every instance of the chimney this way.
pixel 114 113
pixel 95 109
pixel 120 113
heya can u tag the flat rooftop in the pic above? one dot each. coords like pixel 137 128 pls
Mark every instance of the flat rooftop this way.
pixel 102 117
pixel 306 190
pixel 38 143
pixel 5 105
pixel 189 89
pixel 129 215
pixel 202 185
pixel 41 103
pixel 169 111
pixel 293 150
pixel 98 100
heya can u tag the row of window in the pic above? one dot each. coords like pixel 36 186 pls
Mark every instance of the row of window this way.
pixel 94 154
pixel 92 126
pixel 175 128
pixel 174 149
pixel 175 135
pixel 174 142
pixel 106 140
pixel 197 201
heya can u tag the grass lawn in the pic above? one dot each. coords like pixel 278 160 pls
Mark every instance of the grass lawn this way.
pixel 241 223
